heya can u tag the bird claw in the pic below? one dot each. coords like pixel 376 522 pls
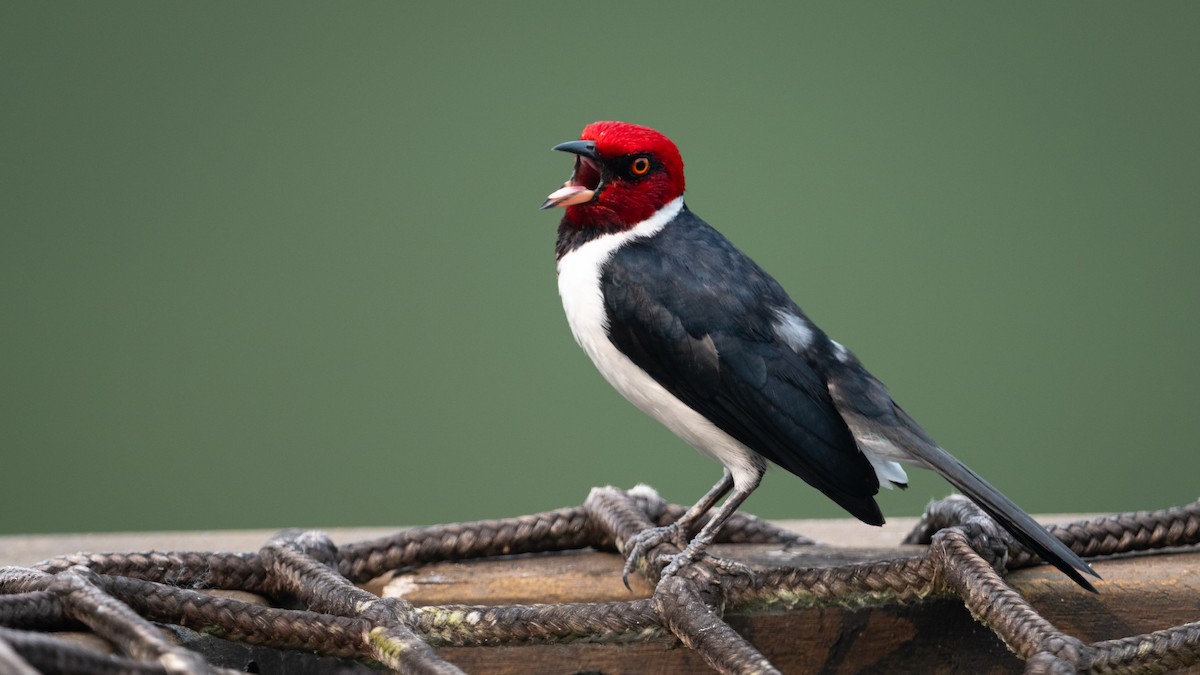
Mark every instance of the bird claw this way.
pixel 646 540
pixel 679 561
pixel 643 542
pixel 731 566
pixel 690 556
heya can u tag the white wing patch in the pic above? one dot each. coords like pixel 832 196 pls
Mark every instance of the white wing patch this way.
pixel 839 351
pixel 793 330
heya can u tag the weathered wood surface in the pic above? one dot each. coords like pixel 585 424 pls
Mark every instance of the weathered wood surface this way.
pixel 1139 594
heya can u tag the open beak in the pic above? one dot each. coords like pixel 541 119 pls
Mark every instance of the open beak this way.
pixel 585 179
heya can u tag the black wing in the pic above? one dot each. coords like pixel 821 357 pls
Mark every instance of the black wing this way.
pixel 702 327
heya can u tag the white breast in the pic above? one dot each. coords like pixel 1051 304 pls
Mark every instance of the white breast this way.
pixel 579 285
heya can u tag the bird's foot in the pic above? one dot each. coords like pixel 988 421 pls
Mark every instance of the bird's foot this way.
pixel 731 566
pixel 690 556
pixel 643 542
pixel 646 540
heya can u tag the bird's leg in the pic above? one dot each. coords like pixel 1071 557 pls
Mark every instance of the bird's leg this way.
pixel 695 549
pixel 676 532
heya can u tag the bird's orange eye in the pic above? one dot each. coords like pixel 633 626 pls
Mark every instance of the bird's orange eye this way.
pixel 639 166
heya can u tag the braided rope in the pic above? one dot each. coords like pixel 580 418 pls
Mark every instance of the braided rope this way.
pixel 301 564
pixel 26 653
pixel 559 530
pixel 688 609
pixel 1124 533
pixel 484 625
pixel 117 594
pixel 1160 651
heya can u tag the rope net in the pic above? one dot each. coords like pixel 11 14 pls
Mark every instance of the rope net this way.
pixel 316 606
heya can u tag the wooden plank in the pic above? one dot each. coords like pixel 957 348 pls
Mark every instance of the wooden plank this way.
pixel 1139 594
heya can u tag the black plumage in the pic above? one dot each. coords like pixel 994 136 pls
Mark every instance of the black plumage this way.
pixel 696 314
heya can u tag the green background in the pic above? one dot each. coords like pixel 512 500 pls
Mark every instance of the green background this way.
pixel 281 264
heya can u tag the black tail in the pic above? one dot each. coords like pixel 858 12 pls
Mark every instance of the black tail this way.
pixel 1019 524
pixel 870 413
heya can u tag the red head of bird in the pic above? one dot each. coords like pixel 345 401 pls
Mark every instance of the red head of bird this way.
pixel 624 173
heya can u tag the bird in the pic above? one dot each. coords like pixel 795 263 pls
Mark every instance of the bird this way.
pixel 695 334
